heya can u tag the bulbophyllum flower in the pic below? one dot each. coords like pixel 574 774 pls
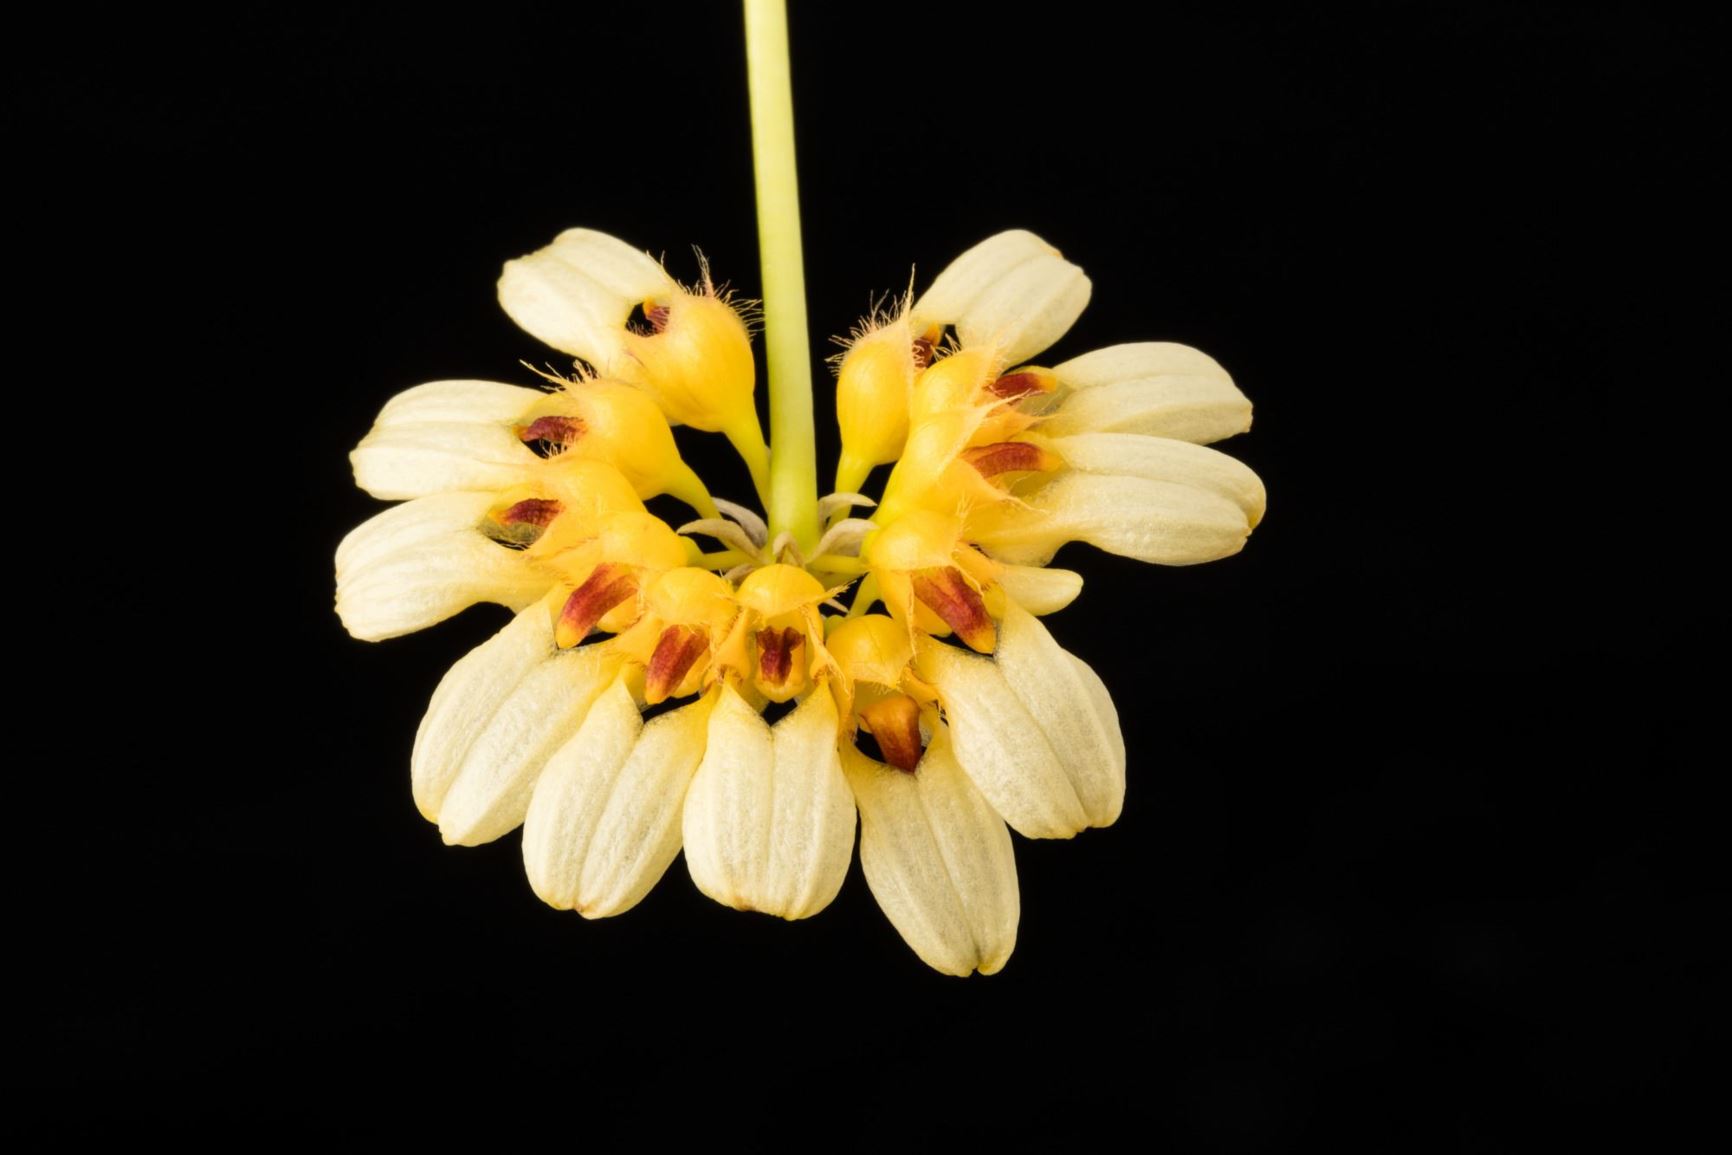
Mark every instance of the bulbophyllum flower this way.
pixel 692 353
pixel 622 715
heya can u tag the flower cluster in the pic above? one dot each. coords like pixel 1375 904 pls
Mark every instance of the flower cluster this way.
pixel 942 722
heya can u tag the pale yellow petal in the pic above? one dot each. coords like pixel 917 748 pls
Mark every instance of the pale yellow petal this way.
pixel 938 859
pixel 446 436
pixel 978 269
pixel 812 836
pixel 420 562
pixel 407 461
pixel 570 793
pixel 1070 705
pixel 1154 387
pixel 637 836
pixel 1012 291
pixel 1164 459
pixel 577 293
pixel 401 527
pixel 469 694
pixel 459 401
pixel 1152 521
pixel 490 793
pixel 769 818
pixel 1001 746
pixel 726 820
pixel 1137 360
pixel 1040 590
pixel 604 822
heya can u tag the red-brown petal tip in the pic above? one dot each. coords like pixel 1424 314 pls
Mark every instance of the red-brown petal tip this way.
pixel 606 588
pixel 1009 457
pixel 561 431
pixel 776 650
pixel 894 722
pixel 948 593
pixel 535 511
pixel 1023 383
pixel 677 650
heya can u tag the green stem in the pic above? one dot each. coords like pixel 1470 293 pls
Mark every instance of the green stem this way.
pixel 722 559
pixel 793 497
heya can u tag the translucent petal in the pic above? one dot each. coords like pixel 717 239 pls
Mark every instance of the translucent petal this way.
pixel 577 293
pixel 1034 728
pixel 1012 291
pixel 1164 459
pixel 1040 590
pixel 463 401
pixel 490 792
pixel 938 859
pixel 1153 387
pixel 769 818
pixel 1071 706
pixel 469 694
pixel 604 822
pixel 444 437
pixel 1001 745
pixel 1152 521
pixel 420 562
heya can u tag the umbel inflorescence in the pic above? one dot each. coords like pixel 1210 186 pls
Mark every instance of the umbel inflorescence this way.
pixel 921 692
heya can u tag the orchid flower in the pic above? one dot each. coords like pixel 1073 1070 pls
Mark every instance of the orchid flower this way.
pixel 620 716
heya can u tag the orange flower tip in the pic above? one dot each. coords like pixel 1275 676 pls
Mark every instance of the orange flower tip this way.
pixel 776 649
pixel 677 651
pixel 554 429
pixel 1010 457
pixel 1024 383
pixel 894 721
pixel 947 593
pixel 536 512
pixel 605 588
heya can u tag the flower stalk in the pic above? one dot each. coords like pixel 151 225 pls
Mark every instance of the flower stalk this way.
pixel 793 458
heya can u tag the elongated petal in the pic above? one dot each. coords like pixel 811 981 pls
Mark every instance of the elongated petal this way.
pixel 490 792
pixel 769 818
pixel 938 859
pixel 577 293
pixel 1001 745
pixel 1012 291
pixel 1154 387
pixel 1163 459
pixel 978 269
pixel 604 822
pixel 459 401
pixel 420 562
pixel 444 437
pixel 1071 706
pixel 1138 360
pixel 1040 590
pixel 469 694
pixel 726 824
pixel 1153 521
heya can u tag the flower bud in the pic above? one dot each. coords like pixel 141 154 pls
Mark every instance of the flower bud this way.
pixel 697 366
pixel 873 387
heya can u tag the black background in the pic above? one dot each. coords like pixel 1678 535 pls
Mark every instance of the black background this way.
pixel 1417 841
